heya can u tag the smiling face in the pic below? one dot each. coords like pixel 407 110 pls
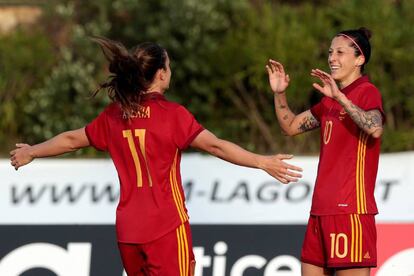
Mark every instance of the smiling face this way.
pixel 345 66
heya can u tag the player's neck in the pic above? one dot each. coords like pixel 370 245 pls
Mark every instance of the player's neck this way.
pixel 156 87
pixel 349 79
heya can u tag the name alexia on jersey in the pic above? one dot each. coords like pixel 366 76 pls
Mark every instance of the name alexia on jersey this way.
pixel 143 112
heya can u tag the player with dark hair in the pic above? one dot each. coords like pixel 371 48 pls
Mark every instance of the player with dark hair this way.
pixel 341 234
pixel 145 135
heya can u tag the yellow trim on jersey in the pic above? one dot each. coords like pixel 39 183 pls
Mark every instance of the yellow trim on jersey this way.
pixel 352 238
pixel 183 254
pixel 180 265
pixel 140 133
pixel 364 152
pixel 179 202
pixel 360 239
pixel 128 134
pixel 356 239
pixel 360 174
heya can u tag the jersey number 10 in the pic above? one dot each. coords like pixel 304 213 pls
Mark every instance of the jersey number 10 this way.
pixel 327 132
pixel 337 241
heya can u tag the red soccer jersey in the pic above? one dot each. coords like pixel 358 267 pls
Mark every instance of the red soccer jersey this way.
pixel 348 160
pixel 146 151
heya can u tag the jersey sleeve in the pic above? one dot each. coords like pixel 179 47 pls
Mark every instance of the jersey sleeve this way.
pixel 371 99
pixel 186 128
pixel 97 132
pixel 316 110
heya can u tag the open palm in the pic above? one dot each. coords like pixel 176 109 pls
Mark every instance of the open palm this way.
pixel 278 79
pixel 329 87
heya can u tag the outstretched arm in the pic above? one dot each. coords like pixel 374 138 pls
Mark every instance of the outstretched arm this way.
pixel 228 151
pixel 62 143
pixel 369 121
pixel 290 123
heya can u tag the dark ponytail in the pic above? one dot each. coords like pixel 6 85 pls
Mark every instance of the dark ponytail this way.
pixel 361 37
pixel 131 72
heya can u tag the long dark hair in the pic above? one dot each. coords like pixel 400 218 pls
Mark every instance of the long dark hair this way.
pixel 361 37
pixel 132 72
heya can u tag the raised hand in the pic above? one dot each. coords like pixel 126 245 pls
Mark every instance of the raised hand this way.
pixel 278 79
pixel 20 156
pixel 282 171
pixel 329 87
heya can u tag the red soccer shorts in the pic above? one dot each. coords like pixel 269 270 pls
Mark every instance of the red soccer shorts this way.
pixel 170 255
pixel 340 241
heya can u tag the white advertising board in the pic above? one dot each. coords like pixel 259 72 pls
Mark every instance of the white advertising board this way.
pixel 61 191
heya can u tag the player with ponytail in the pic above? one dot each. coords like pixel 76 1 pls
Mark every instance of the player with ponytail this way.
pixel 145 135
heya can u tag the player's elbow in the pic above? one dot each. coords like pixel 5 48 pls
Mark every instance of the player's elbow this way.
pixel 208 142
pixel 215 148
pixel 290 129
pixel 72 144
pixel 289 132
pixel 377 133
pixel 75 139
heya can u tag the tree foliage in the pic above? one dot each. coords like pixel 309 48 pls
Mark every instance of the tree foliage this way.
pixel 218 48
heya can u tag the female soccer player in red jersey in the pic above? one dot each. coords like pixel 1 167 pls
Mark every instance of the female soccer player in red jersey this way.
pixel 145 135
pixel 341 235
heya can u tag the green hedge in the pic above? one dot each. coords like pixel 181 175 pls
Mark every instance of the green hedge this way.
pixel 219 49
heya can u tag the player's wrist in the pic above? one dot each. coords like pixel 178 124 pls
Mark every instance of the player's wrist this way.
pixel 341 98
pixel 260 162
pixel 31 153
pixel 278 93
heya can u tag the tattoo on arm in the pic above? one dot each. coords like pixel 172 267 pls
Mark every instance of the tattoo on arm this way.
pixel 285 117
pixel 366 120
pixel 280 104
pixel 308 123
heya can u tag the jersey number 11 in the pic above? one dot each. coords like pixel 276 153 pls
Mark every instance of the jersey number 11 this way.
pixel 140 133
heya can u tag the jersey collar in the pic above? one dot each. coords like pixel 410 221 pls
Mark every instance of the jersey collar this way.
pixel 152 96
pixel 355 83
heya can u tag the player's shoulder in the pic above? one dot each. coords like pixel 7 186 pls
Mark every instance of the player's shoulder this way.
pixel 172 106
pixel 112 108
pixel 367 88
pixel 368 85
